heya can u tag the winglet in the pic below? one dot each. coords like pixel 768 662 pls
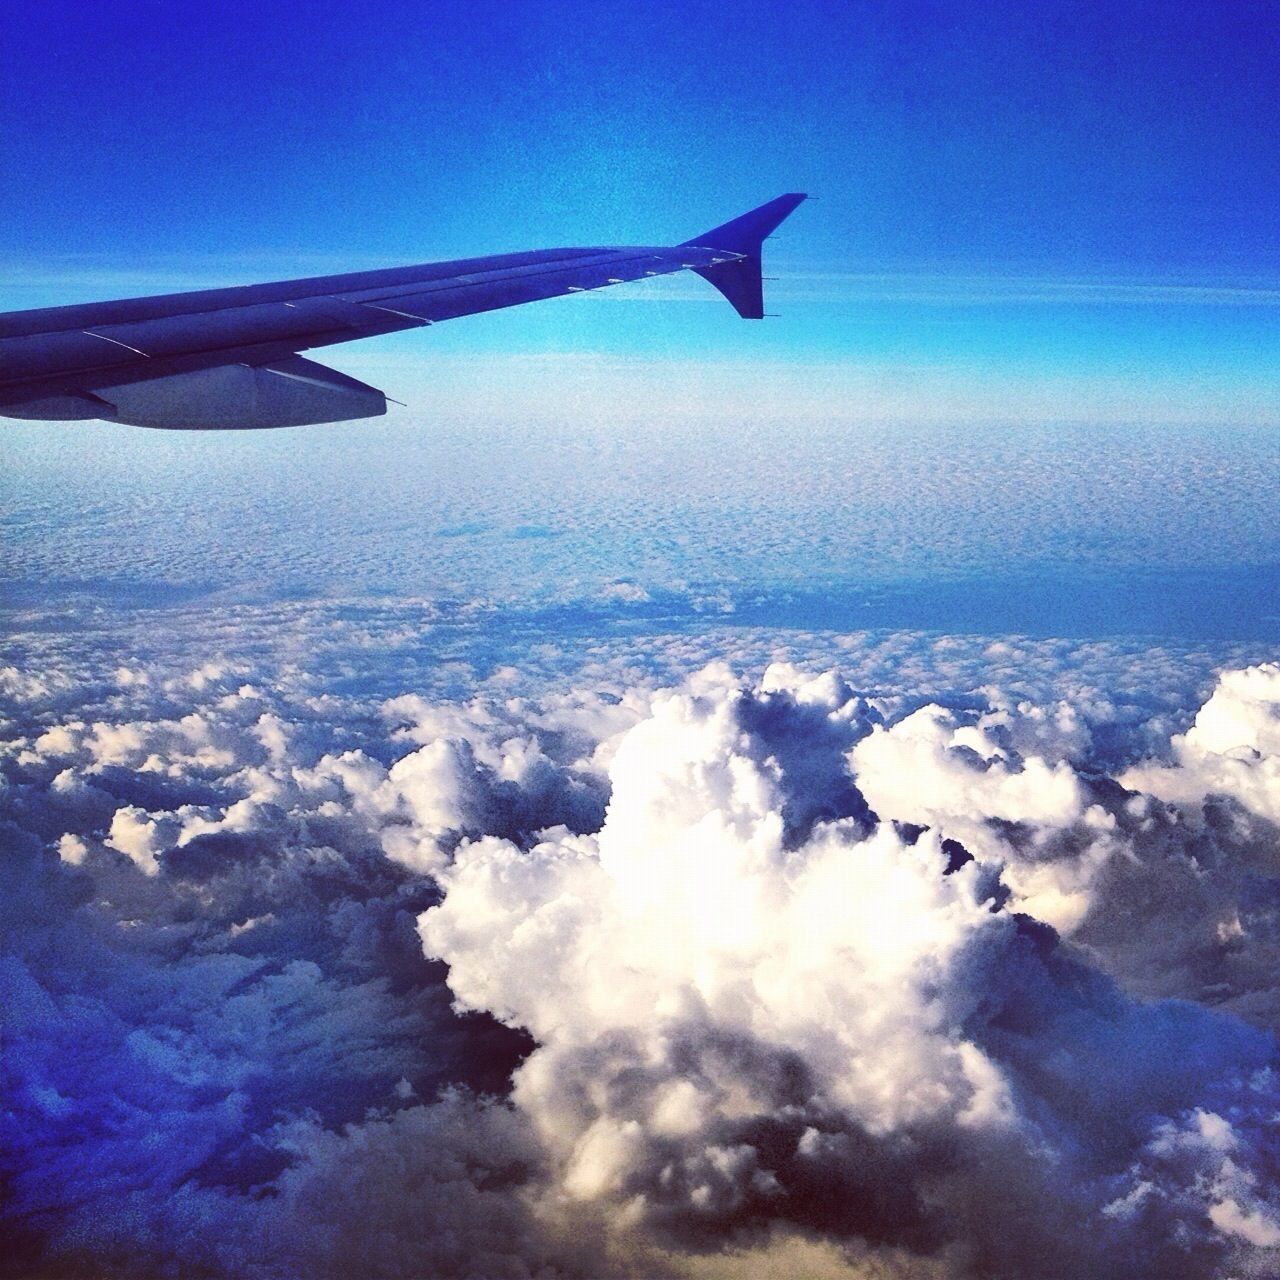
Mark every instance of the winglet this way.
pixel 739 280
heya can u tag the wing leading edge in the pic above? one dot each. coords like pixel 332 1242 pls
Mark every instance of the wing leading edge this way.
pixel 228 358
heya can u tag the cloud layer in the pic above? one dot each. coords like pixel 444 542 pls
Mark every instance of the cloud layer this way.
pixel 645 969
pixel 443 504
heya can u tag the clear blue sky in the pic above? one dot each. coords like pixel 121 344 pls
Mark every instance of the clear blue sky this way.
pixel 1110 146
pixel 1077 135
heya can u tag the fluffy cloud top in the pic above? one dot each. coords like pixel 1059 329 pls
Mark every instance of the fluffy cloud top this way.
pixel 837 1023
pixel 1232 748
pixel 813 972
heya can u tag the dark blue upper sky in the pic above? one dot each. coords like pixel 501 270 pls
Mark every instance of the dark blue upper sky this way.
pixel 1053 141
pixel 1080 134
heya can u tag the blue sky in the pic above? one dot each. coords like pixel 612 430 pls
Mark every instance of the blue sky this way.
pixel 972 160
pixel 1080 136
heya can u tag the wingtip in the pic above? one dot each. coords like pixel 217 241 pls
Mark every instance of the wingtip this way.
pixel 745 233
pixel 740 281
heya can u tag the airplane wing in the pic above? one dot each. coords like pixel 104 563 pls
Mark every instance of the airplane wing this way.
pixel 229 358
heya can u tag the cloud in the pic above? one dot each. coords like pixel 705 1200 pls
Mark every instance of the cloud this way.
pixel 992 476
pixel 962 777
pixel 1232 748
pixel 742 1021
pixel 773 956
